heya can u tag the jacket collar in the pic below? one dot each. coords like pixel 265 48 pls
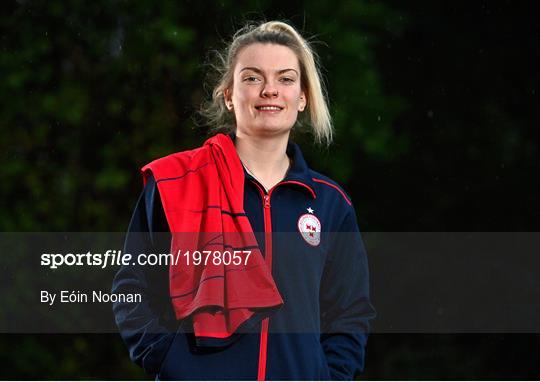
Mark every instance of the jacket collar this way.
pixel 298 173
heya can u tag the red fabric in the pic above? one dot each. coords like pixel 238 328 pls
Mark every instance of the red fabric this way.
pixel 202 193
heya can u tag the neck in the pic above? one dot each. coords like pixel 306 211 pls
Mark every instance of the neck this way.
pixel 265 158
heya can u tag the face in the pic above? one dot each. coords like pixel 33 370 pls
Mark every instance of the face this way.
pixel 266 95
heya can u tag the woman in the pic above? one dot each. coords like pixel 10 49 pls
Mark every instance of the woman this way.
pixel 299 307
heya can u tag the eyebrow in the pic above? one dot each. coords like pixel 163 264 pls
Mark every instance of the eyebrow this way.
pixel 257 70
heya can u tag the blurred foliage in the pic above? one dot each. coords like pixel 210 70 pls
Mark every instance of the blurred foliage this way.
pixel 63 356
pixel 96 90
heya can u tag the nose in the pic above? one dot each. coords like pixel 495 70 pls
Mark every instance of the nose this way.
pixel 269 91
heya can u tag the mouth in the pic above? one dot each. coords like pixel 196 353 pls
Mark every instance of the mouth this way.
pixel 273 108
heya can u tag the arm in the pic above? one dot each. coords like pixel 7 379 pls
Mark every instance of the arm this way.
pixel 143 325
pixel 345 304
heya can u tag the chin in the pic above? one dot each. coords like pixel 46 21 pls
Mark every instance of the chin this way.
pixel 267 129
pixel 274 127
pixel 273 130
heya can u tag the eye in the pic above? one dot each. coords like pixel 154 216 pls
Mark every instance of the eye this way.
pixel 250 79
pixel 287 80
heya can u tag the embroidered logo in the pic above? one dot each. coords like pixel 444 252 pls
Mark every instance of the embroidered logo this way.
pixel 309 227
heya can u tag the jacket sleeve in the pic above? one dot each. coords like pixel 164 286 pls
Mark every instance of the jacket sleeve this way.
pixel 345 304
pixel 146 327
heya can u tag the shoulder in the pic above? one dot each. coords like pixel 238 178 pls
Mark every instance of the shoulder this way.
pixel 329 188
pixel 176 164
pixel 335 202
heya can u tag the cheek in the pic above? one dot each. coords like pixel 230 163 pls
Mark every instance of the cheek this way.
pixel 242 95
pixel 242 100
pixel 294 100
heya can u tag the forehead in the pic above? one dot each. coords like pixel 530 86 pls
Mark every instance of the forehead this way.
pixel 267 57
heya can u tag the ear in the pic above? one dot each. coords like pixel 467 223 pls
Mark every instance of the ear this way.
pixel 227 97
pixel 303 101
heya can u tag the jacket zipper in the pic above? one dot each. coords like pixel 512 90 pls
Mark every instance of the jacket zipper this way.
pixel 263 348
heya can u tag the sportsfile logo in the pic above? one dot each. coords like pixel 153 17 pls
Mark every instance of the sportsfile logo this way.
pixel 111 257
pixel 117 258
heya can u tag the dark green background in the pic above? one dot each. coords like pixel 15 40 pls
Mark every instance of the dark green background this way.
pixel 435 106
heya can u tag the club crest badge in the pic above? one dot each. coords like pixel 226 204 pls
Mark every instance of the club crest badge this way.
pixel 309 227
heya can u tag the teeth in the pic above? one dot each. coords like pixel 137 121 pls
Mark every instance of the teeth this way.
pixel 269 108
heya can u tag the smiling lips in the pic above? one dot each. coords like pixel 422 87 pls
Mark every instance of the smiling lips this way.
pixel 272 108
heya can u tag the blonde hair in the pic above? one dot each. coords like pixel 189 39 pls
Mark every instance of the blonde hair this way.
pixel 272 32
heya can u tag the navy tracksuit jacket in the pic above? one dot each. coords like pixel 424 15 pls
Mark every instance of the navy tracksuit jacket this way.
pixel 321 330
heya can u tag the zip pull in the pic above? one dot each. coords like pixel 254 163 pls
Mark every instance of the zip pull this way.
pixel 266 201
